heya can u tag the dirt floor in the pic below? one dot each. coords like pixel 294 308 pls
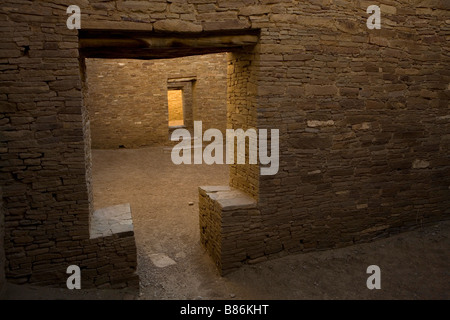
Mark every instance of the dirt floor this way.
pixel 173 265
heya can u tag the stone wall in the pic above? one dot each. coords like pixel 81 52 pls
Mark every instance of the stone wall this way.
pixel 42 143
pixel 112 258
pixel 128 102
pixel 175 101
pixel 363 116
pixel 2 247
pixel 228 221
pixel 242 113
pixel 45 151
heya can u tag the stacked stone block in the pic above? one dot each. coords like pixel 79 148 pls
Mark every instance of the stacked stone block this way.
pixel 2 247
pixel 227 218
pixel 45 152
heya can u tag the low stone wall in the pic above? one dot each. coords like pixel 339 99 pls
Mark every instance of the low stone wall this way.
pixel 227 217
pixel 112 241
pixel 112 264
pixel 107 259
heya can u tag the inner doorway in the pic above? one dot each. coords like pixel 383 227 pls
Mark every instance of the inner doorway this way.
pixel 176 109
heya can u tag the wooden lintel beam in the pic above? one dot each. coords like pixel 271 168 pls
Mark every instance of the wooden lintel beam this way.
pixel 151 45
pixel 156 42
pixel 177 80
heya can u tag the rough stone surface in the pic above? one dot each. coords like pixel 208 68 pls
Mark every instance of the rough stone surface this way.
pixel 161 260
pixel 2 247
pixel 112 220
pixel 111 262
pixel 385 90
pixel 227 217
pixel 128 102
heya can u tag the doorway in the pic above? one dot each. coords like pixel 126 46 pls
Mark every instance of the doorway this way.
pixel 138 167
pixel 176 109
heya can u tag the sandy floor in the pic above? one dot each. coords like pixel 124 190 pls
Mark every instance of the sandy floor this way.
pixel 173 265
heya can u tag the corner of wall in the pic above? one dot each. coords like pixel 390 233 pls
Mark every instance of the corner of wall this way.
pixel 2 249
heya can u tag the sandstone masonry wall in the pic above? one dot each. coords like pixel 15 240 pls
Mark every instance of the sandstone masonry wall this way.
pixel 111 262
pixel 242 114
pixel 228 218
pixel 128 103
pixel 363 116
pixel 45 153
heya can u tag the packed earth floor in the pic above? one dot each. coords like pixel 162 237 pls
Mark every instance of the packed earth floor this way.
pixel 173 265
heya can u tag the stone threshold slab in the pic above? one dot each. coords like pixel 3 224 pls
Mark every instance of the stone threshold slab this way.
pixel 106 222
pixel 228 198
